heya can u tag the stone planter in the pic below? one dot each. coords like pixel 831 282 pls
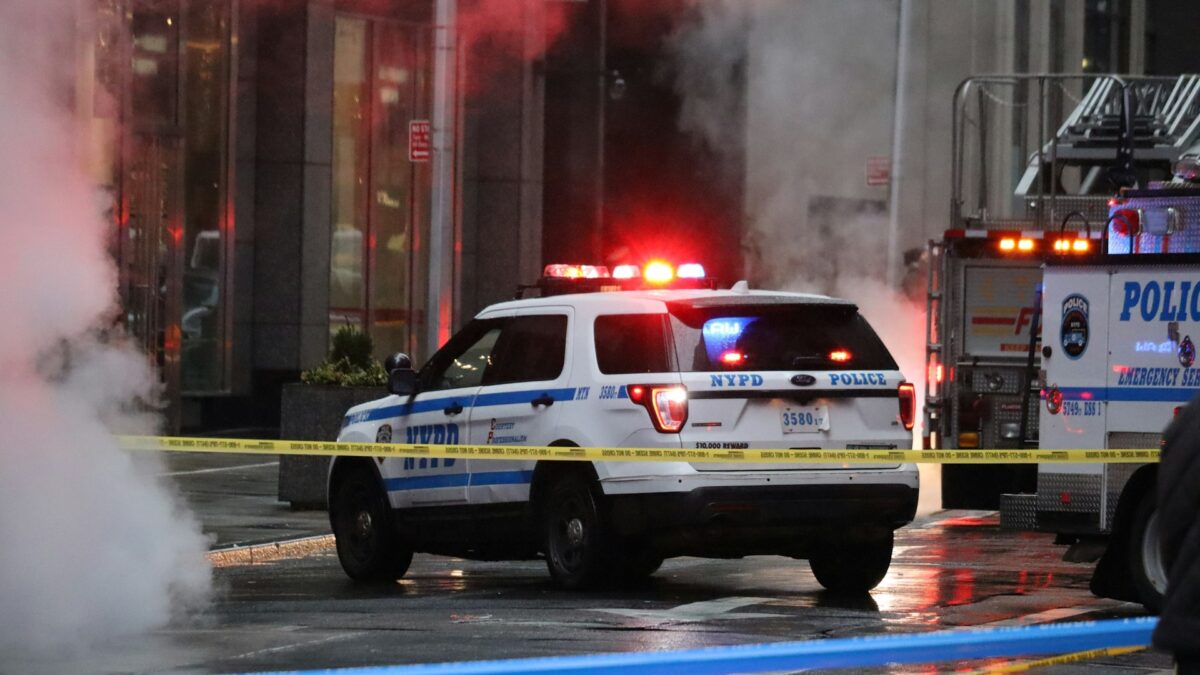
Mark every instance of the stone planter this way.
pixel 313 412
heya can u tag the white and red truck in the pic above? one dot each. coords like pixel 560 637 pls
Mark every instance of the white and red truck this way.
pixel 1030 339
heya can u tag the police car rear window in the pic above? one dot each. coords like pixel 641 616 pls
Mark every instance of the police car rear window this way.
pixel 776 337
pixel 632 343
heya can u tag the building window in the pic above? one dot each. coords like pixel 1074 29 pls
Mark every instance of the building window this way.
pixel 380 197
pixel 204 325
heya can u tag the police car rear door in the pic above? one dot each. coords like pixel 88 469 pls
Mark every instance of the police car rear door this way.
pixel 776 372
pixel 523 394
pixel 437 415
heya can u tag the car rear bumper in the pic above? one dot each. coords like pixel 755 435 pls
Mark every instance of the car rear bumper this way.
pixel 761 520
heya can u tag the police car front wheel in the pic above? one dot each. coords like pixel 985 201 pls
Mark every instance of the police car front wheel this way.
pixel 368 546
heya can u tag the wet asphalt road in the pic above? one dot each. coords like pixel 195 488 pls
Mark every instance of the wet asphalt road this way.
pixel 298 611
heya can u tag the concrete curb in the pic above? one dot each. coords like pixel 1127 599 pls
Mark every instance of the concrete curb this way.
pixel 257 554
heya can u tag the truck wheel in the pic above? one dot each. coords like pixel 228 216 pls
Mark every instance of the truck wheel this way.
pixel 1146 565
pixel 853 566
pixel 576 543
pixel 368 545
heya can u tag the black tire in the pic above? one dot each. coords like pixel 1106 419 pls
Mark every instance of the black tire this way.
pixel 575 537
pixel 1144 553
pixel 637 563
pixel 853 566
pixel 368 545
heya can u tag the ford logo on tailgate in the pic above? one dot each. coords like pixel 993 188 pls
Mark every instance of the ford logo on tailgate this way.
pixel 803 380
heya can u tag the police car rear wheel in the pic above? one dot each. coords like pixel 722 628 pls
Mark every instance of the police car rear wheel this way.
pixel 368 545
pixel 853 566
pixel 574 533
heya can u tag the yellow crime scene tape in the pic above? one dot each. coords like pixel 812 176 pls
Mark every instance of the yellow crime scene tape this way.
pixel 530 453
pixel 1077 657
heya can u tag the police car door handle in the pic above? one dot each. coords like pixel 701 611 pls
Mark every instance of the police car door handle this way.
pixel 545 399
pixel 453 409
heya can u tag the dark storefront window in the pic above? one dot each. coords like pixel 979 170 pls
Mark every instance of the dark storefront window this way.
pixel 205 96
pixel 380 197
pixel 172 181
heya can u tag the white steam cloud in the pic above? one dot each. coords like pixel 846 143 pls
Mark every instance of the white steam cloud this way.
pixel 92 545
pixel 813 84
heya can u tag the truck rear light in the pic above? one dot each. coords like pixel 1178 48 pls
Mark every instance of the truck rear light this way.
pixel 968 440
pixel 666 403
pixel 908 404
pixel 1010 244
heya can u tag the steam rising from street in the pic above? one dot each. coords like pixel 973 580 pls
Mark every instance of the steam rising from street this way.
pixel 791 240
pixel 93 545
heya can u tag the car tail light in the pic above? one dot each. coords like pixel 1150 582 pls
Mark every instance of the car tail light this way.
pixel 666 403
pixel 908 404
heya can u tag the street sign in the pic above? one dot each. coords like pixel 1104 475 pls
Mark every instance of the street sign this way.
pixel 879 171
pixel 418 141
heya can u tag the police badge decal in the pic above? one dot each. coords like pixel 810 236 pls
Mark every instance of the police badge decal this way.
pixel 1074 332
pixel 1187 352
pixel 384 435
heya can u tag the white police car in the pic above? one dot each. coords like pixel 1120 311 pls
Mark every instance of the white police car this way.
pixel 678 367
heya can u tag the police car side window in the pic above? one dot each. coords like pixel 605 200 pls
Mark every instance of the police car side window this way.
pixel 632 343
pixel 464 359
pixel 530 349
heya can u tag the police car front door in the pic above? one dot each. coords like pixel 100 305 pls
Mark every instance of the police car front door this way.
pixel 522 398
pixel 437 415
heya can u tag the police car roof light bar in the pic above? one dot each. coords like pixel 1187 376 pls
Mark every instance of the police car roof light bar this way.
pixel 561 271
pixel 626 272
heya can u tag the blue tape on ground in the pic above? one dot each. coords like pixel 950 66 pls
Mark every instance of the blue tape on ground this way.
pixel 1062 638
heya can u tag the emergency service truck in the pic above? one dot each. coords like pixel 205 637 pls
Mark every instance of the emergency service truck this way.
pixel 659 362
pixel 1118 361
pixel 1035 160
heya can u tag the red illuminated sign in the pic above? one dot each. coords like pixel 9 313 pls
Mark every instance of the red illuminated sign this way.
pixel 879 171
pixel 419 141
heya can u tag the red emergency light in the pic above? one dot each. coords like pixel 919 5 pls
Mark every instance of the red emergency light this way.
pixel 839 356
pixel 658 272
pixel 733 358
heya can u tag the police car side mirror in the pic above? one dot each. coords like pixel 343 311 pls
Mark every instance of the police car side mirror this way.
pixel 402 381
pixel 397 360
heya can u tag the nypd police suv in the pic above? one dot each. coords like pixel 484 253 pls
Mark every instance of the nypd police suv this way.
pixel 656 366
